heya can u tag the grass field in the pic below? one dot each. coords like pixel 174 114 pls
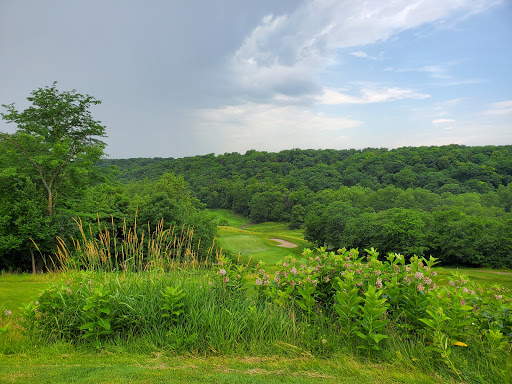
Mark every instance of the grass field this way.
pixel 17 289
pixel 482 276
pixel 67 365
pixel 252 241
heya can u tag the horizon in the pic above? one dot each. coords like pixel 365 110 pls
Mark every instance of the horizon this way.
pixel 108 157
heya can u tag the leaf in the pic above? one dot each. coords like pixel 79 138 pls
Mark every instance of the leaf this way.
pixel 428 322
pixel 89 306
pixel 377 337
pixel 104 323
pixel 89 325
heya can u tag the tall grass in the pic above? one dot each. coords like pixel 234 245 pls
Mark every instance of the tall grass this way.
pixel 107 248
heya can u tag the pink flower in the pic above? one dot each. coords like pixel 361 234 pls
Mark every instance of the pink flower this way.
pixel 433 273
pixel 418 275
pixel 378 283
pixel 452 283
pixel 226 279
pixel 221 272
pixel 285 264
pixel 258 281
pixel 8 313
pixel 420 287
pixel 261 271
pixel 427 280
pixel 293 270
pixel 377 272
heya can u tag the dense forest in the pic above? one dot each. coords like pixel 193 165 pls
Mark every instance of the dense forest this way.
pixel 452 202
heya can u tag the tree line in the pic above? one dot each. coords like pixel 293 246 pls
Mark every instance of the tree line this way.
pixel 452 202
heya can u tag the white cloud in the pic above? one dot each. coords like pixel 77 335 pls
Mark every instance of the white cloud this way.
pixel 375 95
pixel 442 121
pixel 286 54
pixel 270 127
pixel 500 108
pixel 363 55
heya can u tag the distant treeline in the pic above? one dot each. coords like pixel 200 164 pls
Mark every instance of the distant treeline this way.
pixel 452 202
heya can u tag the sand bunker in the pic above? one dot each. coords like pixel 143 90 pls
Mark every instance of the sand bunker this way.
pixel 284 243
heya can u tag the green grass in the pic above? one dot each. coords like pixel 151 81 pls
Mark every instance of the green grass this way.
pixel 257 246
pixel 68 365
pixel 482 276
pixel 252 241
pixel 16 289
pixel 235 220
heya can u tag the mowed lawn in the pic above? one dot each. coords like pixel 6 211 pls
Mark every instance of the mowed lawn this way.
pixel 16 290
pixel 258 247
pixel 477 275
pixel 253 241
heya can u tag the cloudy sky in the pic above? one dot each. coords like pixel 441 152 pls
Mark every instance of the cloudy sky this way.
pixel 182 78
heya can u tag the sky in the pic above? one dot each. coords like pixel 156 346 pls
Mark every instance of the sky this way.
pixel 185 78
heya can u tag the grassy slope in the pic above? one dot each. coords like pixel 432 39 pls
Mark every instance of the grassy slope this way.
pixel 252 241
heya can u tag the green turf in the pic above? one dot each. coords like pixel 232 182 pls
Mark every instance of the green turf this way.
pixel 256 246
pixel 252 241
pixel 235 220
pixel 482 276
pixel 16 289
pixel 114 367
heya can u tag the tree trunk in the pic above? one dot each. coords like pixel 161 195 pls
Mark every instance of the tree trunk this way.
pixel 33 260
pixel 50 202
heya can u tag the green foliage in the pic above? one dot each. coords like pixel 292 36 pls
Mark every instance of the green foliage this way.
pixel 371 322
pixel 45 164
pixel 407 199
pixel 173 303
pixel 98 314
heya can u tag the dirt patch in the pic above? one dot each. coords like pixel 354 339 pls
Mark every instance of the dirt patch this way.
pixel 284 243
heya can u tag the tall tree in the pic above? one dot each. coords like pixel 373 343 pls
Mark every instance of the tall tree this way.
pixel 46 161
pixel 56 138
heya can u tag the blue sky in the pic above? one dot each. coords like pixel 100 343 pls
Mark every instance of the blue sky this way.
pixel 186 78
